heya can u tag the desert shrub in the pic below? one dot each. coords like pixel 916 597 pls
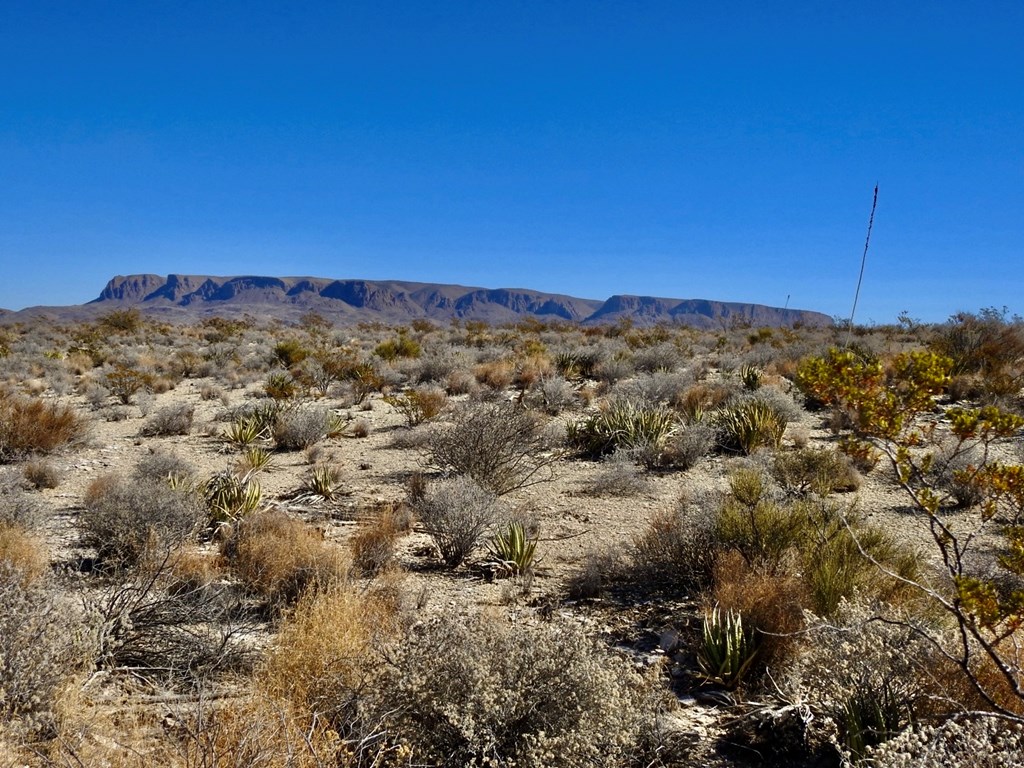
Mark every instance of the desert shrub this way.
pixel 278 557
pixel 676 552
pixel 465 692
pixel 300 428
pixel 123 382
pixel 984 343
pixel 977 742
pixel 663 357
pixel 40 649
pixel 620 475
pixel 437 364
pixel 747 425
pixel 126 517
pixel 456 513
pixel 855 664
pixel 656 388
pixel 418 405
pixel 32 426
pixel 821 470
pixel 400 347
pixel 622 424
pixel 752 522
pixel 501 446
pixel 770 603
pixel 152 619
pixel 955 469
pixel 553 394
pixel 170 420
pixel 42 474
pixel 687 445
pixel 19 508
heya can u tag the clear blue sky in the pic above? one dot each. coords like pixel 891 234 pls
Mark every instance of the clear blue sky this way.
pixel 720 150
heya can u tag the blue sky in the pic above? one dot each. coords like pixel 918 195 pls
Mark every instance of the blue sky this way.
pixel 695 150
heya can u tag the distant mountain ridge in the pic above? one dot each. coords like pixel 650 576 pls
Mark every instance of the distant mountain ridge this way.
pixel 395 301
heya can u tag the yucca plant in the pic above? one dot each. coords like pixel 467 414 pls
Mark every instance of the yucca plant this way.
pixel 513 548
pixel 726 650
pixel 751 376
pixel 229 496
pixel 749 425
pixel 623 424
pixel 243 432
pixel 256 458
pixel 872 714
pixel 322 482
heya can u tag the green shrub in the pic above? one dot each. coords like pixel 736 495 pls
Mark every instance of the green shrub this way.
pixel 402 346
pixel 821 470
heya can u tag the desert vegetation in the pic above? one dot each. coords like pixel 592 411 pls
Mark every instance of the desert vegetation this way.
pixel 238 542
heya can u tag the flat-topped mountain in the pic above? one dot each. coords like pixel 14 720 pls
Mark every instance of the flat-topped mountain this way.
pixel 395 301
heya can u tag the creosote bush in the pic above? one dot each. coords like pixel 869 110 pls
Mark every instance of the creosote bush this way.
pixel 501 446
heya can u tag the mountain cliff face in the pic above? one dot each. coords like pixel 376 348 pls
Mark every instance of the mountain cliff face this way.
pixel 392 301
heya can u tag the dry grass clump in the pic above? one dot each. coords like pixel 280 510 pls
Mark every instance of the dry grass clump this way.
pixel 22 553
pixel 465 691
pixel 124 518
pixel 323 652
pixel 42 474
pixel 30 426
pixel 376 538
pixel 770 604
pixel 280 557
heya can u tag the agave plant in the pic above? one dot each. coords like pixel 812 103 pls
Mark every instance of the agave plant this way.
pixel 513 548
pixel 727 650
pixel 751 377
pixel 229 496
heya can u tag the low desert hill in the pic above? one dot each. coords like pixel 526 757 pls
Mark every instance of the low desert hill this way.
pixel 184 297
